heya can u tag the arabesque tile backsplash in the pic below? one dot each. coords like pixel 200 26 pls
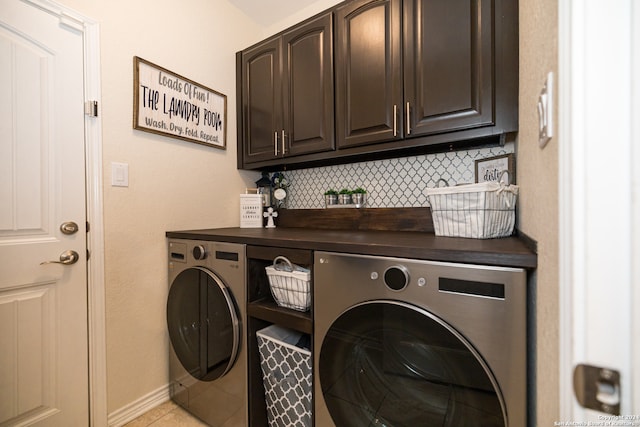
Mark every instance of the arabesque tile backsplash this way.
pixel 389 183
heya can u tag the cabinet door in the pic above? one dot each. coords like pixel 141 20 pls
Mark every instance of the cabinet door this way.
pixel 261 101
pixel 368 72
pixel 308 87
pixel 448 65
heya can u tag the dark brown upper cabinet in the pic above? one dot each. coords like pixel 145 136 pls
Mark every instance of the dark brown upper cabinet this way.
pixel 448 65
pixel 368 72
pixel 413 68
pixel 286 94
pixel 411 77
pixel 261 103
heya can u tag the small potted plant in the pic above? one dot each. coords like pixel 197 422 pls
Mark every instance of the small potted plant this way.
pixel 359 196
pixel 344 196
pixel 330 197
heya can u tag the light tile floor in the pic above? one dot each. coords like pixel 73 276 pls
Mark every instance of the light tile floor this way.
pixel 167 414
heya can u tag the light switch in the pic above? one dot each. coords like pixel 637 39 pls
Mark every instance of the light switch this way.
pixel 545 112
pixel 119 174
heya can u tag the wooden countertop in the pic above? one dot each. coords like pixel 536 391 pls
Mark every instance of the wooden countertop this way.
pixel 506 252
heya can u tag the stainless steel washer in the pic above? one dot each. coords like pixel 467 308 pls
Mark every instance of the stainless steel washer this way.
pixel 205 315
pixel 403 342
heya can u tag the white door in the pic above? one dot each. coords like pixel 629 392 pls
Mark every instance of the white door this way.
pixel 600 210
pixel 43 307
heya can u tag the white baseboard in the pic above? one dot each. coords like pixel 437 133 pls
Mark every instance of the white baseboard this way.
pixel 134 409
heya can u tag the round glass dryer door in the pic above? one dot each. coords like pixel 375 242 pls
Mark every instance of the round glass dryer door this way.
pixel 203 324
pixel 392 364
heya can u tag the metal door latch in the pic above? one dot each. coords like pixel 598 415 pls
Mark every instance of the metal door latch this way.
pixel 91 108
pixel 597 388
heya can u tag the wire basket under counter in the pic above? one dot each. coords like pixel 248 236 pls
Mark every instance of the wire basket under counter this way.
pixel 290 284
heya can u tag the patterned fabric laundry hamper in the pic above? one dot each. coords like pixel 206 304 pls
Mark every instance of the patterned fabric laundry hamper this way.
pixel 481 211
pixel 290 284
pixel 286 374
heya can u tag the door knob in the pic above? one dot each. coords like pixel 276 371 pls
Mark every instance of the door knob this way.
pixel 66 258
pixel 69 227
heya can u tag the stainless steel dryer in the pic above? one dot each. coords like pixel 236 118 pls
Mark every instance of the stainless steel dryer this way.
pixel 404 342
pixel 205 314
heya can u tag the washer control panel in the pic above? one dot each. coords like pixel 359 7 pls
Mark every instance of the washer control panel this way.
pixel 396 277
pixel 177 252
pixel 199 252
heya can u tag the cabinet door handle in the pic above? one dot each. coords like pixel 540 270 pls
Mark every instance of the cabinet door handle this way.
pixel 408 119
pixel 284 148
pixel 395 120
pixel 275 143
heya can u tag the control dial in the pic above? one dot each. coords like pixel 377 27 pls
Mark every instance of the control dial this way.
pixel 199 252
pixel 396 277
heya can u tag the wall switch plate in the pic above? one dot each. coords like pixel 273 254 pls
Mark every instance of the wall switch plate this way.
pixel 119 174
pixel 545 112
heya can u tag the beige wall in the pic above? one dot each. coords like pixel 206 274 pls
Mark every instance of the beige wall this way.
pixel 537 175
pixel 173 184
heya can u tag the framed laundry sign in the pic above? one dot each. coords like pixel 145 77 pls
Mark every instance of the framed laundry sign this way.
pixel 168 104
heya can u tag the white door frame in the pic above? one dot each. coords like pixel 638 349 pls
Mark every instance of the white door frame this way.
pixel 95 275
pixel 599 209
pixel 95 240
pixel 635 206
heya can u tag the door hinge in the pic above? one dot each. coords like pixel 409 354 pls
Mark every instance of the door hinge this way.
pixel 597 388
pixel 91 108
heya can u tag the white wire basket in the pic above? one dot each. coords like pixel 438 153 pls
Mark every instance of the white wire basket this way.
pixel 290 284
pixel 480 211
